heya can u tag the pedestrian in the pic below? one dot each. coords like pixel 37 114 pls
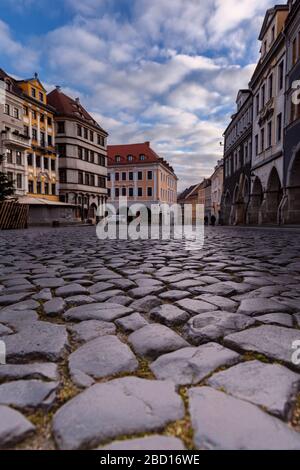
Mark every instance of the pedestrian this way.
pixel 206 220
pixel 213 220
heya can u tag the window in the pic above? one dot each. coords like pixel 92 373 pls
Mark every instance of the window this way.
pixel 34 115
pixel 270 86
pixel 79 131
pixel 117 177
pixel 80 177
pixel 142 157
pixel 262 140
pixel 294 51
pixel 34 134
pixel 87 179
pixel 62 176
pixel 61 127
pixel 46 186
pixel 19 181
pixel 86 155
pixel 53 188
pixel 38 161
pixel 42 118
pixel 46 163
pixel 49 120
pixel 140 175
pixel 43 139
pixel 26 131
pixel 53 164
pixel 117 192
pixel 10 176
pixel 279 127
pixel 61 150
pixel 149 192
pixel 16 113
pixel 41 96
pixel 117 158
pixel 124 176
pixel 18 158
pixel 109 192
pixel 39 187
pixel 91 136
pixel 150 175
pixel 130 158
pixel 33 92
pixel 85 132
pixel 263 96
pixel 108 177
pixel 124 192
pixel 280 75
pixel 270 134
pixel 130 192
pixel 30 159
pixel 92 180
pixel 80 153
pixel 130 175
pixel 92 157
pixel 50 140
pixel 256 145
pixel 101 159
pixel 6 109
pixel 140 192
pixel 257 104
pixel 25 111
pixel 101 182
pixel 30 186
pixel 100 140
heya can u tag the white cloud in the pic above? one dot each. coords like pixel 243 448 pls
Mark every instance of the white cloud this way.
pixel 25 57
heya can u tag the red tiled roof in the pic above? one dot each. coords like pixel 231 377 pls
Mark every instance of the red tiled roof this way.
pixel 136 150
pixel 66 106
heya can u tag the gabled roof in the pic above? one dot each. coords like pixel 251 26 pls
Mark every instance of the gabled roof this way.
pixel 34 79
pixel 136 150
pixel 15 89
pixel 268 16
pixel 67 106
pixel 188 192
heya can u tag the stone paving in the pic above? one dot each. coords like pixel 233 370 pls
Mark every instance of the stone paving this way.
pixel 144 345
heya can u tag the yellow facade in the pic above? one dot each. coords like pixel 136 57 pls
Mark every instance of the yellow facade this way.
pixel 38 118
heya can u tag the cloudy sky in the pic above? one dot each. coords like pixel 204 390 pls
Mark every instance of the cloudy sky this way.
pixel 167 71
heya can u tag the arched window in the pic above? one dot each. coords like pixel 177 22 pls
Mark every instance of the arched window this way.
pixel 129 158
pixel 142 157
pixel 117 158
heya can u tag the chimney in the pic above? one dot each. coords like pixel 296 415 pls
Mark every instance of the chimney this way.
pixel 77 100
pixel 147 143
pixel 36 75
pixel 58 87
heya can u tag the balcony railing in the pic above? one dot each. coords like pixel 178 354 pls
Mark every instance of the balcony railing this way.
pixel 14 139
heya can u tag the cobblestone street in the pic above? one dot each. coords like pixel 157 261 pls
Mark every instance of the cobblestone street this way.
pixel 144 345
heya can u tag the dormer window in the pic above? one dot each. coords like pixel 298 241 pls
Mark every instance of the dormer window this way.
pixel 142 157
pixel 130 158
pixel 8 85
pixel 33 92
pixel 117 158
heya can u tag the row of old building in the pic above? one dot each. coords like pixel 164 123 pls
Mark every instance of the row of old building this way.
pixel 262 141
pixel 57 157
pixel 258 180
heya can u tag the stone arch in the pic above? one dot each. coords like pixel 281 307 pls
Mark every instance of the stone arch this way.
pixel 273 198
pixel 256 199
pixel 227 207
pixel 292 215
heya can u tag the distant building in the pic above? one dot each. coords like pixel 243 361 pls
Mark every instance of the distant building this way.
pixel 217 180
pixel 237 161
pixel 204 196
pixel 137 172
pixel 81 145
pixel 189 196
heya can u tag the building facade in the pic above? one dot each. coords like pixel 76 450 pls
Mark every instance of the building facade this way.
pixel 291 168
pixel 204 196
pixel 41 180
pixel 268 89
pixel 82 149
pixel 190 196
pixel 237 162
pixel 13 142
pixel 217 180
pixel 135 171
